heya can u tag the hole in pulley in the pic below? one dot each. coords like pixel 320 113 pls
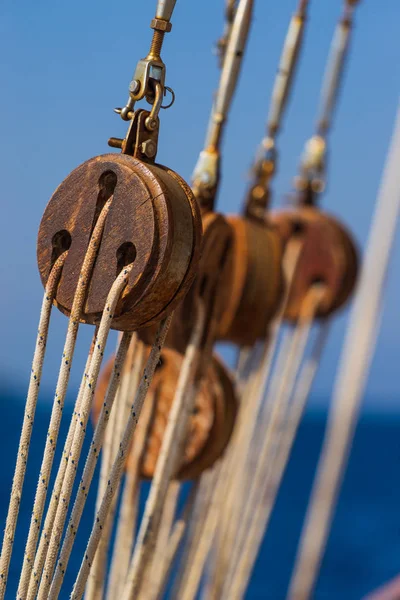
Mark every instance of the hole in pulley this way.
pixel 160 363
pixel 298 227
pixel 318 280
pixel 107 184
pixel 126 255
pixel 61 241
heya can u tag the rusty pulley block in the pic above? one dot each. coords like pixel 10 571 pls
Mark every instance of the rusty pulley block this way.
pixel 153 222
pixel 210 425
pixel 211 286
pixel 255 281
pixel 328 255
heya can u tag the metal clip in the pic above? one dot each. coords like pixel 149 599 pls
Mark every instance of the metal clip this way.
pixel 205 178
pixel 150 70
pixel 313 166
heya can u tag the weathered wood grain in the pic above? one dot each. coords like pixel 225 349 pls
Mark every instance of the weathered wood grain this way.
pixel 153 220
pixel 328 256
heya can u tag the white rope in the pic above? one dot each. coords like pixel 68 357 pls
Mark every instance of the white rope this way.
pixel 29 415
pixel 178 419
pixel 125 534
pixel 200 522
pixel 202 543
pixel 218 492
pixel 155 570
pixel 261 457
pixel 90 465
pixel 55 496
pixel 113 434
pixel 80 431
pixel 58 404
pixel 174 540
pixel 232 491
pixel 262 512
pixel 351 378
pixel 117 468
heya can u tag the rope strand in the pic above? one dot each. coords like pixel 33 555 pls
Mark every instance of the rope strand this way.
pixel 113 433
pixel 178 418
pixel 80 430
pixel 29 416
pixel 125 534
pixel 270 488
pixel 279 396
pixel 55 496
pixel 58 404
pixel 351 377
pixel 118 465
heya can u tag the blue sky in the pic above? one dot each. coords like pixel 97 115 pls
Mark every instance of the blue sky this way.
pixel 65 66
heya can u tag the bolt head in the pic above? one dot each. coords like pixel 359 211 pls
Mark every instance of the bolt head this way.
pixel 134 86
pixel 151 124
pixel 148 148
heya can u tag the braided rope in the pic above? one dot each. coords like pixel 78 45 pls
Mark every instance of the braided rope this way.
pixel 178 418
pixel 172 545
pixel 351 377
pixel 55 497
pixel 118 465
pixel 125 533
pixel 279 396
pixel 203 505
pixel 80 432
pixel 27 425
pixel 114 431
pixel 227 489
pixel 58 404
pixel 155 570
pixel 270 487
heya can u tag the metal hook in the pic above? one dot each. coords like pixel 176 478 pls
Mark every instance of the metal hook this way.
pixel 171 91
pixel 151 121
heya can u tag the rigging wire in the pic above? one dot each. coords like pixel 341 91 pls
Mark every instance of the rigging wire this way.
pixel 281 389
pixel 351 378
pixel 269 489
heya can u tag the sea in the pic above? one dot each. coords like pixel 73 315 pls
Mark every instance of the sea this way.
pixel 364 545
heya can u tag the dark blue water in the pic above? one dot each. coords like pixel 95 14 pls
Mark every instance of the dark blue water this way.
pixel 364 546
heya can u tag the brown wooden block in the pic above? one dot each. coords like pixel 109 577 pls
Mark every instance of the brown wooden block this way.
pixel 328 256
pixel 210 425
pixel 255 281
pixel 225 411
pixel 210 284
pixel 153 221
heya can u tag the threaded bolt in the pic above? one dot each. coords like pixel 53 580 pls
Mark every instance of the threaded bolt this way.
pixel 156 43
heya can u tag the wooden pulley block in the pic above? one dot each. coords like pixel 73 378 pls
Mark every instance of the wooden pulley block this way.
pixel 220 381
pixel 210 425
pixel 328 255
pixel 163 390
pixel 153 222
pixel 210 284
pixel 255 281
